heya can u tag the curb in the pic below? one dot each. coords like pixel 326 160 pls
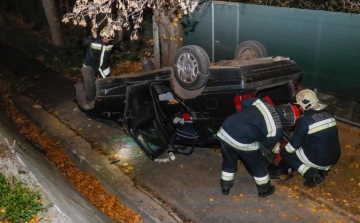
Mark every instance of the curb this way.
pixel 68 205
pixel 88 160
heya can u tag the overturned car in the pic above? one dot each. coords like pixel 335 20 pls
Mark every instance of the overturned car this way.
pixel 185 105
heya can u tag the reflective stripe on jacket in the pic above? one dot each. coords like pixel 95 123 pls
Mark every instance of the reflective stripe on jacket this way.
pixel 98 55
pixel 258 122
pixel 315 139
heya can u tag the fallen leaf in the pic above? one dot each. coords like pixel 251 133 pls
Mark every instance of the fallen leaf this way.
pixel 37 106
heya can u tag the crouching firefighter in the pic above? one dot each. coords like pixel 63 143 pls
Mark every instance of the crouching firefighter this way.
pixel 314 146
pixel 249 134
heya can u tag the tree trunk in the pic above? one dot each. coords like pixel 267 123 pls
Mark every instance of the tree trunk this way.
pixel 54 23
pixel 171 36
pixel 119 34
pixel 2 14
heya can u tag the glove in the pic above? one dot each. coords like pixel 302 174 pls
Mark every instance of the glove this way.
pixel 178 120
pixel 276 148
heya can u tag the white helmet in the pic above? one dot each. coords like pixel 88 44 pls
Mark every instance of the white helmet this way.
pixel 105 33
pixel 306 99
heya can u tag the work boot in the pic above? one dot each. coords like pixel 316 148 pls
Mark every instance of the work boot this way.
pixel 226 186
pixel 323 173
pixel 269 192
pixel 314 180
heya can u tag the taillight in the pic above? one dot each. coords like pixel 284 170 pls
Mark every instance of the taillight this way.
pixel 238 99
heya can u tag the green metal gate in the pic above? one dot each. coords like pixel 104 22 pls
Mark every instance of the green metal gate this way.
pixel 326 45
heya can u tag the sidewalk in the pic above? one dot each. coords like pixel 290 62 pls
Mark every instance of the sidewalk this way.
pixel 189 184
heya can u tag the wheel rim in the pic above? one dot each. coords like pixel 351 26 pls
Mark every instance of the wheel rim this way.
pixel 248 53
pixel 187 67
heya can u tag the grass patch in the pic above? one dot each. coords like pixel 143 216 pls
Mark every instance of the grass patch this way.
pixel 18 203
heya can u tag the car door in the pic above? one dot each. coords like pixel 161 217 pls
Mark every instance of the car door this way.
pixel 140 120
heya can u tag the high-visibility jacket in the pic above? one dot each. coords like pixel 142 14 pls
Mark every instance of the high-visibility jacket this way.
pixel 258 122
pixel 98 56
pixel 315 139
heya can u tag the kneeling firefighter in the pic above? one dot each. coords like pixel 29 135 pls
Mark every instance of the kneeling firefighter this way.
pixel 249 134
pixel 314 146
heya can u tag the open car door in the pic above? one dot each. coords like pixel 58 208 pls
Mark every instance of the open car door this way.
pixel 139 120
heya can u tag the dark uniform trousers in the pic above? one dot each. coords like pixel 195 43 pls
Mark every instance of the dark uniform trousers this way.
pixel 296 164
pixel 253 161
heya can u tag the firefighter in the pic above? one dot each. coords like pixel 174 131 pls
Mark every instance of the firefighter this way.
pixel 98 53
pixel 314 146
pixel 249 134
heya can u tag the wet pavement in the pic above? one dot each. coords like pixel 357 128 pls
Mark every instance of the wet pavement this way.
pixel 183 190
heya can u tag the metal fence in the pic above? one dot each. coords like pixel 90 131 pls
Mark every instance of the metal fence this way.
pixel 326 45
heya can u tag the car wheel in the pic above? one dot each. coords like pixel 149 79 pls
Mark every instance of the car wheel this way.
pixel 250 49
pixel 148 65
pixel 89 82
pixel 191 67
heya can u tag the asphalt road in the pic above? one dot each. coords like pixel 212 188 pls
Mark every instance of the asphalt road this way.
pixel 184 190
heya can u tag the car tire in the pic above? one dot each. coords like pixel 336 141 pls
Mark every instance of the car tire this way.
pixel 191 67
pixel 89 83
pixel 148 65
pixel 250 49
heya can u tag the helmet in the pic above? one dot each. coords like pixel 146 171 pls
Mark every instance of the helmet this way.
pixel 291 114
pixel 105 33
pixel 306 99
